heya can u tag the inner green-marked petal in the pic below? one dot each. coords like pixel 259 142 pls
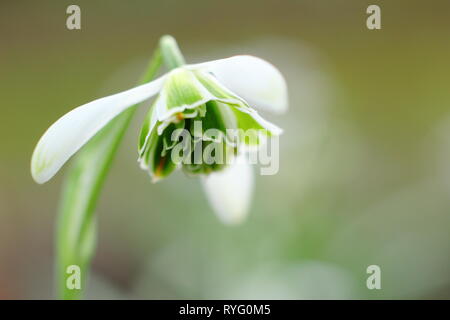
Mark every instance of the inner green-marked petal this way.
pixel 181 89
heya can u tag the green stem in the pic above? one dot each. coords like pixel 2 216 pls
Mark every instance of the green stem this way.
pixel 76 231
pixel 171 53
pixel 76 228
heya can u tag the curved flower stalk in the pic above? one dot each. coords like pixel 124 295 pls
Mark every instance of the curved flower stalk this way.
pixel 205 100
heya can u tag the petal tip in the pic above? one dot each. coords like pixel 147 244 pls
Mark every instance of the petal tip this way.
pixel 229 192
pixel 235 219
pixel 38 169
pixel 38 177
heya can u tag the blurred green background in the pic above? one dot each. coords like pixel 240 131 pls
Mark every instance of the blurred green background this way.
pixel 365 159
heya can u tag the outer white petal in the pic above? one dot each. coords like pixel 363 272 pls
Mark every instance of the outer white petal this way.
pixel 67 135
pixel 255 80
pixel 230 191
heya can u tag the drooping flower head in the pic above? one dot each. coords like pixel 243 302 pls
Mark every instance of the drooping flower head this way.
pixel 206 100
pixel 193 100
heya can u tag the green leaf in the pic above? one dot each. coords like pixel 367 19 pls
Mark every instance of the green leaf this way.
pixel 76 233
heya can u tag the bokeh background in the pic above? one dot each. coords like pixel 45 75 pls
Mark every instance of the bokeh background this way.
pixel 365 158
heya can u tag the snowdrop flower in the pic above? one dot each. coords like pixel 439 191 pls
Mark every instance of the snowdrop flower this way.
pixel 220 95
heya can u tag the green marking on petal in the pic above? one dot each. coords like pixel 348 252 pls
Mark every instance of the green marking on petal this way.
pixel 182 91
pixel 215 88
pixel 156 156
pixel 147 126
pixel 195 101
pixel 216 117
pixel 252 126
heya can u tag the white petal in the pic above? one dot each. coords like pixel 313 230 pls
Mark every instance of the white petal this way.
pixel 255 80
pixel 230 191
pixel 67 135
